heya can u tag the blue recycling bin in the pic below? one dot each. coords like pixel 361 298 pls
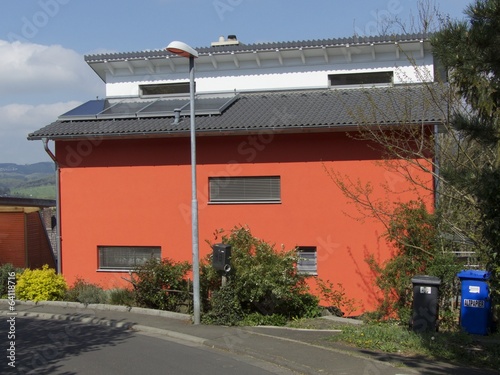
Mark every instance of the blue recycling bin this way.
pixel 475 304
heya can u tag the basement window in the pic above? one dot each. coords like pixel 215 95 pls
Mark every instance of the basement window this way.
pixel 308 260
pixel 126 258
pixel 255 189
pixel 164 89
pixel 361 79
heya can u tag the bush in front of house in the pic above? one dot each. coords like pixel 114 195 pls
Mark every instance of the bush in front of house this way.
pixel 6 270
pixel 122 297
pixel 162 284
pixel 85 292
pixel 40 285
pixel 257 319
pixel 225 308
pixel 420 248
pixel 262 281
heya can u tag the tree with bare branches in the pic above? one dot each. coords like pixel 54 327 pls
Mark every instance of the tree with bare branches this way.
pixel 461 153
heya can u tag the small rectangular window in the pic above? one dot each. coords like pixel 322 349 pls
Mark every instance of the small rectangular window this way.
pixel 308 260
pixel 265 189
pixel 371 78
pixel 164 89
pixel 126 257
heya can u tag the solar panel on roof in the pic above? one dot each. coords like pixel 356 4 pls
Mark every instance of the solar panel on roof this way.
pixel 205 104
pixel 163 107
pixel 126 108
pixel 211 105
pixel 90 108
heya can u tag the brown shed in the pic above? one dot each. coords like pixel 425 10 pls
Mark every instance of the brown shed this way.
pixel 24 235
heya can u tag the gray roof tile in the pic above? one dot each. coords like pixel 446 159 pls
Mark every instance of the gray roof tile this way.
pixel 279 111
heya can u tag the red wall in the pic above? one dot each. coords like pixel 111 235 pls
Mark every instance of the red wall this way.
pixel 137 192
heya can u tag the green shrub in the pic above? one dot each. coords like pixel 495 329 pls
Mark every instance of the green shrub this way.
pixel 418 250
pixel 40 285
pixel 6 270
pixel 256 319
pixel 85 292
pixel 122 297
pixel 161 284
pixel 264 281
pixel 225 308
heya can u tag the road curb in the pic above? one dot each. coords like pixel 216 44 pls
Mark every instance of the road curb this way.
pixel 168 333
pixel 71 318
pixel 105 307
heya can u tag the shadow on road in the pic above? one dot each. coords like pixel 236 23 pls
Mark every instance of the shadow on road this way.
pixel 40 345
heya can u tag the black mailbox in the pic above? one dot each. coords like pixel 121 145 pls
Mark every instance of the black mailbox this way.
pixel 221 257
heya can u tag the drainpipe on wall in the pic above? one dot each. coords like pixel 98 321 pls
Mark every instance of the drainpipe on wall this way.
pixel 58 209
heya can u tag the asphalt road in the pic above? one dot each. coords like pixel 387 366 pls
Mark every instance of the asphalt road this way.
pixel 61 347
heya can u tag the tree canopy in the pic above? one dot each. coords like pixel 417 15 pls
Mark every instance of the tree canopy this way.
pixel 470 51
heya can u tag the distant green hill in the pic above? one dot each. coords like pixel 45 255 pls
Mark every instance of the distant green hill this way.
pixel 28 181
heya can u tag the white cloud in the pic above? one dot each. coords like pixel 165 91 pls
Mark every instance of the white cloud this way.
pixel 26 117
pixel 17 149
pixel 38 84
pixel 17 121
pixel 34 68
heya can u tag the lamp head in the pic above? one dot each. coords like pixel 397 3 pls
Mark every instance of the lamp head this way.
pixel 181 49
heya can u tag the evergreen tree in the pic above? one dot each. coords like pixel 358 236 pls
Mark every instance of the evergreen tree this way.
pixel 470 50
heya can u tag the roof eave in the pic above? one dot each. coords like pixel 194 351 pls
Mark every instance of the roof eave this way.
pixel 243 131
pixel 256 47
pixel 332 48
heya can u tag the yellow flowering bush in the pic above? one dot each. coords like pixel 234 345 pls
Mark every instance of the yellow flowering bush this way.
pixel 40 285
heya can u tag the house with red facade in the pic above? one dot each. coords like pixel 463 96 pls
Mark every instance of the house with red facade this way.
pixel 273 122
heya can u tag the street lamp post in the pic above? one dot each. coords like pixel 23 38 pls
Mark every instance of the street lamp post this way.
pixel 182 49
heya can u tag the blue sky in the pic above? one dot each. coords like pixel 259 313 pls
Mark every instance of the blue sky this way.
pixel 42 44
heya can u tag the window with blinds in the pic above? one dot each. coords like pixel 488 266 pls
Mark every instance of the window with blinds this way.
pixel 126 257
pixel 370 78
pixel 164 89
pixel 307 263
pixel 260 189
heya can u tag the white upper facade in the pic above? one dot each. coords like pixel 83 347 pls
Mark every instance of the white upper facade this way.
pixel 235 67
